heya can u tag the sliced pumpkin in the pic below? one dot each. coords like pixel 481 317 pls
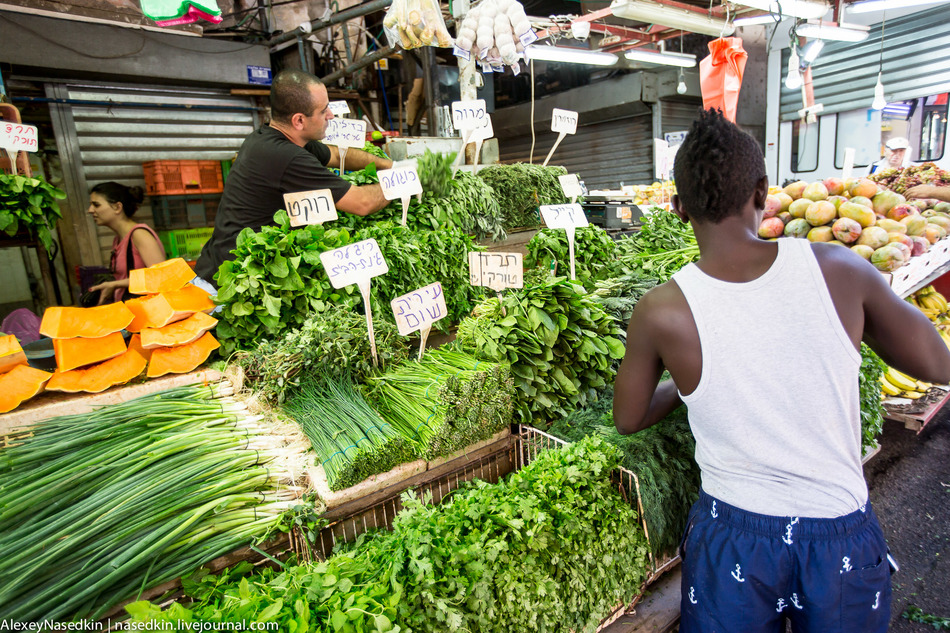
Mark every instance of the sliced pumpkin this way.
pixel 159 310
pixel 183 358
pixel 101 376
pixel 78 352
pixel 11 354
pixel 189 300
pixel 19 385
pixel 138 306
pixel 179 333
pixel 95 322
pixel 169 275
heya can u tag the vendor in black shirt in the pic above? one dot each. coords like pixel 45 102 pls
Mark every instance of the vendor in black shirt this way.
pixel 286 156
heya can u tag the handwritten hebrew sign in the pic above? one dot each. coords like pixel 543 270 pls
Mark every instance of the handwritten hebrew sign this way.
pixel 354 263
pixel 570 185
pixel 419 309
pixel 399 182
pixel 562 216
pixel 310 207
pixel 346 133
pixel 496 270
pixel 17 137
pixel 468 115
pixel 563 121
pixel 339 108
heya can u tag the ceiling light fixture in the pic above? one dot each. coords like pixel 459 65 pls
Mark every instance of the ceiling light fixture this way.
pixel 681 80
pixel 804 9
pixel 768 18
pixel 569 55
pixel 664 15
pixel 841 33
pixel 793 81
pixel 880 102
pixel 683 60
pixel 811 50
pixel 883 5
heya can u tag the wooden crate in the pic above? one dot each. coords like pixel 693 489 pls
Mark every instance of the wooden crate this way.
pixel 916 417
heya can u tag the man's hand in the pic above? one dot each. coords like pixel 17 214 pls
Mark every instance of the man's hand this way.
pixel 928 191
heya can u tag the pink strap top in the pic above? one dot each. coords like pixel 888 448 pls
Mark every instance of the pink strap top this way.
pixel 120 256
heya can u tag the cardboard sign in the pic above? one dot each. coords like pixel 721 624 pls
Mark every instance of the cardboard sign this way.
pixel 563 121
pixel 339 108
pixel 310 207
pixel 570 185
pixel 848 163
pixel 346 133
pixel 496 270
pixel 482 133
pixel 419 309
pixel 354 263
pixel 17 137
pixel 563 216
pixel 400 182
pixel 468 115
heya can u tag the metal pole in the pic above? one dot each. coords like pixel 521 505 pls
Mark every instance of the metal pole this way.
pixel 428 73
pixel 348 14
pixel 364 61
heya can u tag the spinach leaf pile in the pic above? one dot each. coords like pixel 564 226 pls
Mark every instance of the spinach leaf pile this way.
pixel 29 204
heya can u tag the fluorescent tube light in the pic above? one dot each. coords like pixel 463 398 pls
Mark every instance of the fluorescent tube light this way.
pixel 819 31
pixel 569 55
pixel 683 60
pixel 805 9
pixel 656 13
pixel 882 5
pixel 758 19
pixel 811 51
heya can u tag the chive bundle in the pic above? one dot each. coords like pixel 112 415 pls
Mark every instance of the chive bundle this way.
pixel 96 507
pixel 449 399
pixel 351 440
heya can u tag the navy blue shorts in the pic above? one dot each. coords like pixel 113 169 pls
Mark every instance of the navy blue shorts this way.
pixel 747 573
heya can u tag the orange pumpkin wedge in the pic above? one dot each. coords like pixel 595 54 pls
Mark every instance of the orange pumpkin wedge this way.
pixel 78 352
pixel 139 307
pixel 183 358
pixel 178 333
pixel 11 354
pixel 159 310
pixel 101 376
pixel 95 322
pixel 19 385
pixel 169 275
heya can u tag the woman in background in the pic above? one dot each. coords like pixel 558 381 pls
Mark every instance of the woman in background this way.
pixel 135 245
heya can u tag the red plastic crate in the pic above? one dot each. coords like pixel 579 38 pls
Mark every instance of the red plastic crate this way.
pixel 173 177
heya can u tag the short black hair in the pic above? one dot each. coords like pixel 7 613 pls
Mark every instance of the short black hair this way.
pixel 290 94
pixel 717 168
pixel 115 192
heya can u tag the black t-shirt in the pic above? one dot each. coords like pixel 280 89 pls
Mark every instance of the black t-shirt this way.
pixel 267 166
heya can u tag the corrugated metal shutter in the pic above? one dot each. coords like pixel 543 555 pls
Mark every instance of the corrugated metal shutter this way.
pixel 916 64
pixel 113 140
pixel 678 116
pixel 603 154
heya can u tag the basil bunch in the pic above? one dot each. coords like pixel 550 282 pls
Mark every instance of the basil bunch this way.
pixel 30 204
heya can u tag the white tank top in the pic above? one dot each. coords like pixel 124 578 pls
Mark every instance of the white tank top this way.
pixel 776 414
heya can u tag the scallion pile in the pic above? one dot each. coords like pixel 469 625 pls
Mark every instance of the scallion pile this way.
pixel 96 507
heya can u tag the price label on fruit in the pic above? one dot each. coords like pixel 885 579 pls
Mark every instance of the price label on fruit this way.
pixel 15 137
pixel 419 309
pixel 339 108
pixel 468 115
pixel 570 185
pixel 346 133
pixel 354 263
pixel 496 270
pixel 401 181
pixel 563 216
pixel 310 207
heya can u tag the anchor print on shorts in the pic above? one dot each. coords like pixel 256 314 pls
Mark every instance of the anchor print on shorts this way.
pixel 788 531
pixel 692 595
pixel 737 574
pixel 713 511
pixel 795 602
pixel 845 565
pixel 877 601
pixel 780 606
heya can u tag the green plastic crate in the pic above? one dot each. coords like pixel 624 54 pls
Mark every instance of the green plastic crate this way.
pixel 185 243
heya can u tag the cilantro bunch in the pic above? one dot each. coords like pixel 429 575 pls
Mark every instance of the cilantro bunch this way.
pixel 869 389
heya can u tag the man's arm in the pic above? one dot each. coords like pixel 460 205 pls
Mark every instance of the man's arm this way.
pixel 929 191
pixel 357 159
pixel 362 200
pixel 638 402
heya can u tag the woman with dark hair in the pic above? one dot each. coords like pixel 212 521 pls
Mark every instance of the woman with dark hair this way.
pixel 112 205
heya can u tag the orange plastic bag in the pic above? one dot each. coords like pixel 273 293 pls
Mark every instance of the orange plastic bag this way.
pixel 720 75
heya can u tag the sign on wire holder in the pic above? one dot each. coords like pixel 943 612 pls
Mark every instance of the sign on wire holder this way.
pixel 310 207
pixel 563 122
pixel 16 137
pixel 357 264
pixel 496 271
pixel 345 133
pixel 418 310
pixel 571 186
pixel 401 182
pixel 468 116
pixel 568 217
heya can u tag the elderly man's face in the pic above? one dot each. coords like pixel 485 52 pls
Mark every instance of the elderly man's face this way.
pixel 895 157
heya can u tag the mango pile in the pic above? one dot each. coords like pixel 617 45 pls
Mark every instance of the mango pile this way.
pixel 880 225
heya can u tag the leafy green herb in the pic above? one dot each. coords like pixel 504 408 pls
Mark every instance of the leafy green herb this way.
pixel 275 281
pixel 521 188
pixel 560 343
pixel 869 389
pixel 619 295
pixel 435 172
pixel 29 204
pixel 662 246
pixel 593 253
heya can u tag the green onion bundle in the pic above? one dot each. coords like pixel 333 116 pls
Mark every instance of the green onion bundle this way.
pixel 96 507
pixel 449 399
pixel 351 440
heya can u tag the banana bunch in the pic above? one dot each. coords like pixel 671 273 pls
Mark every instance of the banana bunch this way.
pixel 931 303
pixel 897 383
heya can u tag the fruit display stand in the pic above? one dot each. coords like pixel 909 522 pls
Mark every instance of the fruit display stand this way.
pixel 921 270
pixel 916 414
